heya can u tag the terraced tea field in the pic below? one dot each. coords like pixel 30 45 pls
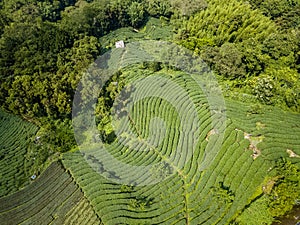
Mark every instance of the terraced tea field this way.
pixel 175 160
pixel 278 130
pixel 53 198
pixel 15 136
pixel 179 155
pixel 206 189
pixel 149 112
pixel 175 174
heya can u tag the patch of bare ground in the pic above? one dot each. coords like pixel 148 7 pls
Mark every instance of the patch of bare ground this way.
pixel 254 141
pixel 292 154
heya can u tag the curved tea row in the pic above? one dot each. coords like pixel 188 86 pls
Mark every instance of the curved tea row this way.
pixel 53 198
pixel 15 136
pixel 187 194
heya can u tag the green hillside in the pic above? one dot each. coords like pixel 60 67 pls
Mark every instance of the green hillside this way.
pixel 16 135
pixel 238 175
pixel 53 198
pixel 149 112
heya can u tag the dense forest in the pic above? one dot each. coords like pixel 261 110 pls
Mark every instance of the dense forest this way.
pixel 253 48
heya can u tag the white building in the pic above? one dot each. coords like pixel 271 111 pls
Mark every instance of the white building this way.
pixel 120 44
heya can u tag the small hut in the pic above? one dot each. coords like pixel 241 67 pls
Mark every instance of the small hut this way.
pixel 120 44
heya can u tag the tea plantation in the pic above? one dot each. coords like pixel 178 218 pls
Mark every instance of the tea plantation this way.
pixel 217 193
pixel 194 120
pixel 15 137
pixel 54 198
pixel 191 176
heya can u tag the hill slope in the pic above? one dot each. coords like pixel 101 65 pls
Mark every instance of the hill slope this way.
pixel 232 179
pixel 15 138
pixel 53 198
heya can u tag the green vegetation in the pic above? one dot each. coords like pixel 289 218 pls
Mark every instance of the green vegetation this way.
pixel 250 52
pixel 16 136
pixel 52 198
pixel 231 189
pixel 43 53
pixel 251 177
pixel 27 150
pixel 286 192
